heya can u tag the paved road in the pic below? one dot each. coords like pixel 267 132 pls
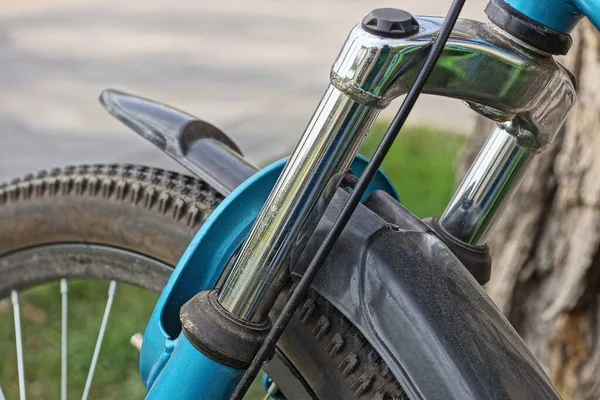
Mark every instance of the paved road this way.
pixel 255 68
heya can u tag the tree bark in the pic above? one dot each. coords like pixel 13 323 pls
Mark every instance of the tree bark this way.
pixel 546 272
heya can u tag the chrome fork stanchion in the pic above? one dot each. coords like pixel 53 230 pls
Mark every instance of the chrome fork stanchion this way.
pixel 480 65
pixel 490 182
pixel 309 180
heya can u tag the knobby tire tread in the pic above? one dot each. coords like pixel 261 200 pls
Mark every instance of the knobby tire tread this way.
pixel 348 367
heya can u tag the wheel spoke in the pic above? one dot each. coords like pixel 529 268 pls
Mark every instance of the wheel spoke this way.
pixel 14 295
pixel 64 289
pixel 112 288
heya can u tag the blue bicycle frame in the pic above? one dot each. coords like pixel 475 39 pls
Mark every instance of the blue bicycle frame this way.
pixel 560 15
pixel 527 90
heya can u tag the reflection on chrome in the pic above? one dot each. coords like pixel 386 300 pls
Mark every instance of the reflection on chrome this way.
pixel 490 182
pixel 495 74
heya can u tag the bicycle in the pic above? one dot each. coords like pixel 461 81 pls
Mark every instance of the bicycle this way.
pixel 377 303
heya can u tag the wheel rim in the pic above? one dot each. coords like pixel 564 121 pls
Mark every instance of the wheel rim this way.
pixel 21 271
pixel 65 266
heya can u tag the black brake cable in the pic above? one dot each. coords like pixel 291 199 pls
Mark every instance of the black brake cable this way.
pixel 437 46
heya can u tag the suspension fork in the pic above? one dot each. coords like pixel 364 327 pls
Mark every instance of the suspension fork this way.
pixel 299 198
pixel 499 77
pixel 371 70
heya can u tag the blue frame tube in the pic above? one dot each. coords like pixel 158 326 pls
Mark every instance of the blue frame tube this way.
pixel 189 374
pixel 560 15
pixel 591 9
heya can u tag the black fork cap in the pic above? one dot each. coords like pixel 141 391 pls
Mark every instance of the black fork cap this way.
pixel 390 22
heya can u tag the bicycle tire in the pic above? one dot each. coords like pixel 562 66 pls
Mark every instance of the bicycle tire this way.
pixel 154 214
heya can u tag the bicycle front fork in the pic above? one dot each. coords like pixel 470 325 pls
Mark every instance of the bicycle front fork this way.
pixel 223 330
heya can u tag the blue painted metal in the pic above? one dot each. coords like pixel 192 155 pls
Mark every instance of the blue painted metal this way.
pixel 560 15
pixel 189 374
pixel 201 266
pixel 266 381
pixel 591 9
pixel 380 182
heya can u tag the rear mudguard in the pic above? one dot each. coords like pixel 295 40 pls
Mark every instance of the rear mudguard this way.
pixel 389 274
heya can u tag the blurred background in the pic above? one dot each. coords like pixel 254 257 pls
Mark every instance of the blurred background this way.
pixel 254 68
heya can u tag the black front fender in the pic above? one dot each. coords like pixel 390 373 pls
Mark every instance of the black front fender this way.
pixel 389 274
pixel 419 307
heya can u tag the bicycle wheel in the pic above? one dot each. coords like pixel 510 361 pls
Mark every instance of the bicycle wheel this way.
pixel 129 224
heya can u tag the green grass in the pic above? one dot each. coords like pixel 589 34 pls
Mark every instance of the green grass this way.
pixel 421 165
pixel 116 373
pixel 116 376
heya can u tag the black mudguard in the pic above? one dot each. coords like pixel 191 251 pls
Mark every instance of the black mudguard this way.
pixel 389 274
pixel 419 307
pixel 197 145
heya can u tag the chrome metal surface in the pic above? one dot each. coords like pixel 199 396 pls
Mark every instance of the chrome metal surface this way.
pixel 491 181
pixel 497 75
pixel 271 392
pixel 311 176
pixel 136 341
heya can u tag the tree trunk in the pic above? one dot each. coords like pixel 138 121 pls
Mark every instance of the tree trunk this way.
pixel 546 273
